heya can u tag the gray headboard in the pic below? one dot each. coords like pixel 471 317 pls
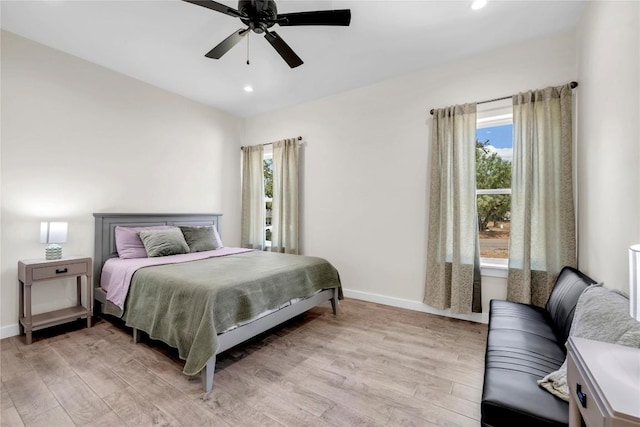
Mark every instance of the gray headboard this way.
pixel 105 236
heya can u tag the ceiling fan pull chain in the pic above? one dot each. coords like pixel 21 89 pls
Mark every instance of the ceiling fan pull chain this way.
pixel 248 36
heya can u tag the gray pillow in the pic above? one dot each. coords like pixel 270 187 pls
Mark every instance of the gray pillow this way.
pixel 601 315
pixel 163 242
pixel 200 238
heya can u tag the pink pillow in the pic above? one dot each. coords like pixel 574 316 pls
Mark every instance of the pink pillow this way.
pixel 128 243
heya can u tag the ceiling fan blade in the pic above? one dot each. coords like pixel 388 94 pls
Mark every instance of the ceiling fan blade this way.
pixel 218 7
pixel 226 44
pixel 321 17
pixel 283 49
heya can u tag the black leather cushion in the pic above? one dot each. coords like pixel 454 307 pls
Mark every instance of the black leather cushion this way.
pixel 521 349
pixel 563 299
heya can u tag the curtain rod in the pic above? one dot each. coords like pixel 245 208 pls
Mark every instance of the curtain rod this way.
pixel 573 86
pixel 270 143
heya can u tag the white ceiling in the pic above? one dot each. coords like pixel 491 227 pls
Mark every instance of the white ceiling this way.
pixel 163 43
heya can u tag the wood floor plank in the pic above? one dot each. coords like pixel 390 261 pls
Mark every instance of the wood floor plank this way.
pixel 436 338
pixel 359 399
pixel 340 415
pixel 135 410
pixel 404 418
pixel 99 377
pixel 429 412
pixel 312 370
pixel 433 362
pixel 165 368
pixel 472 394
pixel 449 402
pixel 30 396
pixel 110 419
pixel 5 399
pixel 13 364
pixel 373 376
pixel 236 403
pixel 9 417
pixel 57 417
pixel 263 376
pixel 81 403
pixel 50 365
pixel 111 353
pixel 473 358
pixel 287 412
pixel 372 365
pixel 407 371
pixel 75 351
pixel 167 398
pixel 315 347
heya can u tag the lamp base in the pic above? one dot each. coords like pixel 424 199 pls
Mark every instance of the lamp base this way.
pixel 53 251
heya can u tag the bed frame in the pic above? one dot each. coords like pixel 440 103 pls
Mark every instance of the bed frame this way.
pixel 105 248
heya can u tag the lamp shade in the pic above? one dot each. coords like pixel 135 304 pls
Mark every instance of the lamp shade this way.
pixel 634 281
pixel 53 232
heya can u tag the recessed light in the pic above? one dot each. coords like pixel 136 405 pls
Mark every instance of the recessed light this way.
pixel 478 4
pixel 248 88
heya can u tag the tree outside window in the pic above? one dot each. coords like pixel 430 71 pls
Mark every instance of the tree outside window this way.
pixel 268 196
pixel 493 183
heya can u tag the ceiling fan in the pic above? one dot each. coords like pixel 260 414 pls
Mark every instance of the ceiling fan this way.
pixel 260 15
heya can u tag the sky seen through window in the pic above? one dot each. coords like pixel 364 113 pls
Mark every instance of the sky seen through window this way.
pixel 500 139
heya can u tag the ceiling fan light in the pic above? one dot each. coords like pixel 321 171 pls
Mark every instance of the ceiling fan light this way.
pixel 478 4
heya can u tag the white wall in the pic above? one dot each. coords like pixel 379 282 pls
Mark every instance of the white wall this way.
pixel 609 139
pixel 78 138
pixel 365 161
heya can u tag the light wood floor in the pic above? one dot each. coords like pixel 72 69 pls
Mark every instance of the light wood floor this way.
pixel 372 365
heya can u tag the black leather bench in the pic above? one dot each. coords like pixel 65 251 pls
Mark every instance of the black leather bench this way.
pixel 524 344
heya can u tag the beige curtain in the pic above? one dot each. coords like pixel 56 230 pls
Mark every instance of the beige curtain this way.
pixel 284 213
pixel 253 204
pixel 453 274
pixel 542 238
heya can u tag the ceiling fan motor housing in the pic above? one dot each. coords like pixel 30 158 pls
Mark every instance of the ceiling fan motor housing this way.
pixel 262 14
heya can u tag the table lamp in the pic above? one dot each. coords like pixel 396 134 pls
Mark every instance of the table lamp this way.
pixel 53 233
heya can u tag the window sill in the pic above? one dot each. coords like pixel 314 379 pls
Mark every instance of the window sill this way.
pixel 494 267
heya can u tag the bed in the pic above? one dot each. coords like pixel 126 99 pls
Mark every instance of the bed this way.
pixel 177 303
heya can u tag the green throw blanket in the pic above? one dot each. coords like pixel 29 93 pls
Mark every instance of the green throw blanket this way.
pixel 186 305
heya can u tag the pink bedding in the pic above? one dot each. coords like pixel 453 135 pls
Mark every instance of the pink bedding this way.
pixel 117 273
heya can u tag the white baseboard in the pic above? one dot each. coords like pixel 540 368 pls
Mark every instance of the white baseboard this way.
pixel 413 305
pixel 9 331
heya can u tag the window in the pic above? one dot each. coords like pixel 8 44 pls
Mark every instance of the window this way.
pixel 268 195
pixel 494 152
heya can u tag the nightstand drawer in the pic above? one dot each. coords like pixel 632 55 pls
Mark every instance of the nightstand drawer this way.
pixel 587 401
pixel 71 269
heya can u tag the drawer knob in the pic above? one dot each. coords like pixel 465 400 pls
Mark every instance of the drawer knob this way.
pixel 582 397
pixel 62 270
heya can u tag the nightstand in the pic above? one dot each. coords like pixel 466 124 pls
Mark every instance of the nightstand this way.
pixel 604 384
pixel 37 271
